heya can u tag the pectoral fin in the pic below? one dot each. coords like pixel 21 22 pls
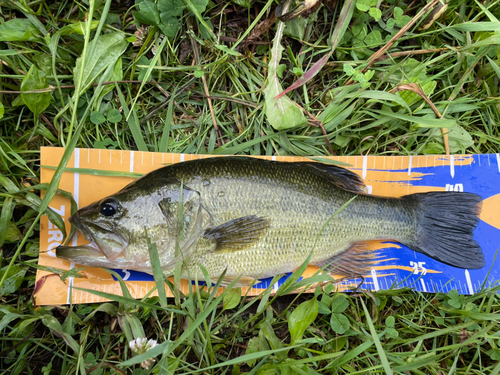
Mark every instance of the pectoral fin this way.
pixel 238 234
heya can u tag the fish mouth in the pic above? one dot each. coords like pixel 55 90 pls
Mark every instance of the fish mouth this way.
pixel 88 254
pixel 105 247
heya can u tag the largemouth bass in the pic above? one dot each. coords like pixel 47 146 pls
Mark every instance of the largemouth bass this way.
pixel 251 219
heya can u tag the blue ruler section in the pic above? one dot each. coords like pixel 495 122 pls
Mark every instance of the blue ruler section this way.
pixel 481 176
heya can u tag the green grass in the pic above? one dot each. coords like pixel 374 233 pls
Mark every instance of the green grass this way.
pixel 70 76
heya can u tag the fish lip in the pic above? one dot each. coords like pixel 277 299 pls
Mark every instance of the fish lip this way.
pixel 84 229
pixel 71 252
pixel 89 235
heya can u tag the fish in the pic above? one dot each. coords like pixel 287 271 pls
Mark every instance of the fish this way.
pixel 248 219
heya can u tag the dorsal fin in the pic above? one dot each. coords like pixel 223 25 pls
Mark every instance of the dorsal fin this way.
pixel 238 233
pixel 340 177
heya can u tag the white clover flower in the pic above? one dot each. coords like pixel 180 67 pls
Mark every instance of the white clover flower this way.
pixel 142 345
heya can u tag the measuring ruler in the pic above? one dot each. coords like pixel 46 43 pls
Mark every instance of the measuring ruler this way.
pixel 383 175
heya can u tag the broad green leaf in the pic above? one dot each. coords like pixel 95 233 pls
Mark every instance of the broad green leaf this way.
pixel 363 5
pixel 391 332
pixel 148 13
pixel 174 8
pixel 433 148
pixel 301 318
pixel 323 308
pixel 390 321
pixel 8 206
pixel 18 30
pixel 282 112
pixel 349 70
pixel 339 303
pixel 231 299
pixel 273 340
pixel 97 118
pixel 34 80
pixel 2 110
pixel 54 325
pixel 411 97
pixel 296 27
pixel 375 13
pixel 373 38
pixel 114 116
pixel 13 234
pixel 201 5
pixel 13 281
pixel 252 347
pixel 459 139
pixel 401 18
pixel 77 27
pixel 168 25
pixel 339 323
pixel 108 49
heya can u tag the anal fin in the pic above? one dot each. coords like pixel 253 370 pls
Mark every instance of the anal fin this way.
pixel 240 280
pixel 356 261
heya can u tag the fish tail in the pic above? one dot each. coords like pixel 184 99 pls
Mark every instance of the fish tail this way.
pixel 446 222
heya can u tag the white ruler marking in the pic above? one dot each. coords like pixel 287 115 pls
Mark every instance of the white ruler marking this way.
pixel 409 167
pixel 182 157
pixel 452 166
pixel 131 161
pixel 498 162
pixel 70 283
pixel 469 282
pixel 424 288
pixel 276 286
pixel 375 279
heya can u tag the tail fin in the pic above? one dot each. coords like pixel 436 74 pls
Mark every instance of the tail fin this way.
pixel 445 228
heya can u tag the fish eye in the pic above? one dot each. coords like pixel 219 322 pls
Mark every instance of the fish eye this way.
pixel 109 208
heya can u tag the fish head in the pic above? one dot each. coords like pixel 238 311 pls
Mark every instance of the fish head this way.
pixel 121 227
